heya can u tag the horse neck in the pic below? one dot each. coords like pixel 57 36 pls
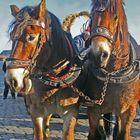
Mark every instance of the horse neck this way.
pixel 61 41
pixel 56 50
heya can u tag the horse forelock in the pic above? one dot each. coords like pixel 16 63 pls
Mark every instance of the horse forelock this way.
pixel 122 25
pixel 93 1
pixel 20 17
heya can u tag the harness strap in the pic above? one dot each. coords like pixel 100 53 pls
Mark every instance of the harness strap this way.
pixel 36 53
pixel 69 101
pixel 52 80
pixel 15 63
pixel 124 75
pixel 48 94
pixel 63 102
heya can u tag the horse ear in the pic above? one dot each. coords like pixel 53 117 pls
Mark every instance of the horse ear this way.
pixel 42 9
pixel 14 10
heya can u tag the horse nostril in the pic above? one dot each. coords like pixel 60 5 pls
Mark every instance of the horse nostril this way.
pixel 14 83
pixel 105 54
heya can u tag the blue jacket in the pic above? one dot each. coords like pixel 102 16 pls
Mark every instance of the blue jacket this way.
pixel 79 42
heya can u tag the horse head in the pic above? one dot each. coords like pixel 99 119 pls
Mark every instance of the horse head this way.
pixel 29 32
pixel 109 34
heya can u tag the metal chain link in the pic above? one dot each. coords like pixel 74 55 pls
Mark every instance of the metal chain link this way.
pixel 103 93
pixel 89 101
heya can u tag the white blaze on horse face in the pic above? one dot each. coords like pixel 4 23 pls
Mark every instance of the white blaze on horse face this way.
pixel 101 49
pixel 15 78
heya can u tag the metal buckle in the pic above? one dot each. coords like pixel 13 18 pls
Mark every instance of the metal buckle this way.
pixel 51 83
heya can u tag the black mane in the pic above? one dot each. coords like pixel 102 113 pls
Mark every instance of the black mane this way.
pixel 58 36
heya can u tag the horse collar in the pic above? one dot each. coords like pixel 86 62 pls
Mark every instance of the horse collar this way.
pixel 125 75
pixel 54 81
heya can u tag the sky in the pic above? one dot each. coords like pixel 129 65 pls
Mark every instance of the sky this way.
pixel 62 8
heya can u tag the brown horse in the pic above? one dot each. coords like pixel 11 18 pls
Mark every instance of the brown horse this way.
pixel 113 81
pixel 39 66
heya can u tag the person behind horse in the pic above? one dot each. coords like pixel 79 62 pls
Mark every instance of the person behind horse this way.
pixel 80 43
pixel 6 86
pixel 80 40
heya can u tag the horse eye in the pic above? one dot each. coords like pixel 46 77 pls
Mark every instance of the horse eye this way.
pixel 30 38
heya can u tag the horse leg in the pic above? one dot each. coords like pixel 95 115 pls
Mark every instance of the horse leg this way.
pixel 126 121
pixel 46 122
pixel 111 125
pixel 93 123
pixel 69 123
pixel 38 127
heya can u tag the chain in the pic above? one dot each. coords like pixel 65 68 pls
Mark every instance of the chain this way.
pixel 91 102
pixel 103 93
pixel 88 100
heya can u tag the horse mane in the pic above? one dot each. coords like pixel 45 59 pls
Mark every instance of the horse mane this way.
pixel 122 45
pixel 58 39
pixel 58 36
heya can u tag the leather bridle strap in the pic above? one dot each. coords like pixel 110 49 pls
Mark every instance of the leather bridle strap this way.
pixel 102 31
pixel 15 63
pixel 36 53
pixel 28 64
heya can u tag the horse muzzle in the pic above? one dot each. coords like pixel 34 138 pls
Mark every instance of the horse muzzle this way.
pixel 16 78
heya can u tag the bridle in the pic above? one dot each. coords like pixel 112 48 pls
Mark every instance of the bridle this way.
pixel 21 24
pixel 102 31
pixel 99 30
